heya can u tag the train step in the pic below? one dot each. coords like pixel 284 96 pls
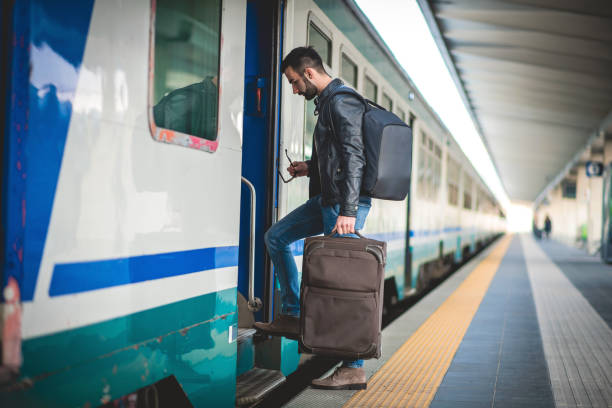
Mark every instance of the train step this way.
pixel 246 350
pixel 253 385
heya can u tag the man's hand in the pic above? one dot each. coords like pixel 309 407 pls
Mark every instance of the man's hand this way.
pixel 298 169
pixel 344 225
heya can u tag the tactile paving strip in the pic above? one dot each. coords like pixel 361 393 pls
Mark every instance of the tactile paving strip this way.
pixel 577 341
pixel 412 375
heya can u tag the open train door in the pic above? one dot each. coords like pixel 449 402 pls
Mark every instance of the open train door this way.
pixel 262 363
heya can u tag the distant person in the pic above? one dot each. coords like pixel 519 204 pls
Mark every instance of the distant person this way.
pixel 547 226
pixel 536 231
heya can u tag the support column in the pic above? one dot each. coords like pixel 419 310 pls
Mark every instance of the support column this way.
pixel 607 154
pixel 595 203
pixel 582 205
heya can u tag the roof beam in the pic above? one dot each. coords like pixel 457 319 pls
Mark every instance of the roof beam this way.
pixel 601 129
pixel 430 18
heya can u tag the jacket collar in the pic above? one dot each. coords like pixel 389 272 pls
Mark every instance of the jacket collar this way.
pixel 329 89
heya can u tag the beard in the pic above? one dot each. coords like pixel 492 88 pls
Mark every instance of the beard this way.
pixel 311 90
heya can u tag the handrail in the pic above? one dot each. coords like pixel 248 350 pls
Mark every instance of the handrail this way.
pixel 254 303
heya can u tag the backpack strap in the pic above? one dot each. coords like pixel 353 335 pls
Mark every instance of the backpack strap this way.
pixel 350 91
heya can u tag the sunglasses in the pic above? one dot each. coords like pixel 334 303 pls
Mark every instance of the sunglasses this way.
pixel 291 164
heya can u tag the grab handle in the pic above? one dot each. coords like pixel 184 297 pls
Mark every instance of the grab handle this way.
pixel 254 303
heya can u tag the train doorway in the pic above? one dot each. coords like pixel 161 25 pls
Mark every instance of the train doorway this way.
pixel 259 186
pixel 259 150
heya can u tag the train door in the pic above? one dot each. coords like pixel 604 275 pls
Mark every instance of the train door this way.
pixel 258 365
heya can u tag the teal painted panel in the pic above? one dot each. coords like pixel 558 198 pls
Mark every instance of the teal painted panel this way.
pixel 290 357
pixel 146 347
pixel 245 356
pixel 49 353
pixel 278 353
pixel 202 360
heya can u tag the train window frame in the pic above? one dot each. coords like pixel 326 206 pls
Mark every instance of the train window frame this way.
pixel 411 118
pixel 325 32
pixel 389 99
pixel 309 108
pixel 346 54
pixel 401 113
pixel 453 182
pixel 170 136
pixel 467 195
pixel 367 77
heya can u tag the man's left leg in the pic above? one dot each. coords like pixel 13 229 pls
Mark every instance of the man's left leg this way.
pixel 350 375
pixel 304 221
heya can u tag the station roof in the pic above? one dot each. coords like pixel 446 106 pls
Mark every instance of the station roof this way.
pixel 536 75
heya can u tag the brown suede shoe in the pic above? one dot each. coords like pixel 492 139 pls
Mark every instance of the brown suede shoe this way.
pixel 343 378
pixel 283 325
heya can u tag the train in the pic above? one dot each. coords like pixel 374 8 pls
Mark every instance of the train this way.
pixel 143 154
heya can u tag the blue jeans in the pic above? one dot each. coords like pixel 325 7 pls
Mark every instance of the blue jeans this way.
pixel 309 219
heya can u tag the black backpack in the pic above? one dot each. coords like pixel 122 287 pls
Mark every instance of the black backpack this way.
pixel 388 148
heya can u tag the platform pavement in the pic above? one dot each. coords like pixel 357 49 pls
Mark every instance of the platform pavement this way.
pixel 539 337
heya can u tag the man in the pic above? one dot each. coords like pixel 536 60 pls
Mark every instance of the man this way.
pixel 547 226
pixel 335 205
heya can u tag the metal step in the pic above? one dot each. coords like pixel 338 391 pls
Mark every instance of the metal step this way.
pixel 244 334
pixel 254 384
pixel 246 351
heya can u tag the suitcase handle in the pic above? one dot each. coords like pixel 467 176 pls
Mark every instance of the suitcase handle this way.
pixel 331 234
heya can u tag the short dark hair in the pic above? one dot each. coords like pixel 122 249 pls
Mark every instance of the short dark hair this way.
pixel 301 58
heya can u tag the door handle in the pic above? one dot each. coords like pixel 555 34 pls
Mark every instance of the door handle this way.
pixel 254 303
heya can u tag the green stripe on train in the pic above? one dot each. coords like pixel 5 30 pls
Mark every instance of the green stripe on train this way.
pixel 103 361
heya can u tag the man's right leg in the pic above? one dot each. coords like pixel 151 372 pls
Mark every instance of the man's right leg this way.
pixel 304 221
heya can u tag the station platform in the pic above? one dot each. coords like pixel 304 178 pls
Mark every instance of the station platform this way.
pixel 525 323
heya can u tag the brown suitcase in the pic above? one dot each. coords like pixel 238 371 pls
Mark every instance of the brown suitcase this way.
pixel 341 297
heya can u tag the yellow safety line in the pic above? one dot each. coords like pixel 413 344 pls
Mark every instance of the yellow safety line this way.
pixel 411 377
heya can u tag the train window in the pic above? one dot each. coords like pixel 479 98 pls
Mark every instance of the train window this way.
pixel 401 114
pixel 185 88
pixel 467 192
pixel 453 174
pixel 320 42
pixel 421 173
pixel 348 71
pixel 310 121
pixel 323 45
pixel 370 89
pixel 429 170
pixel 387 102
pixel 436 179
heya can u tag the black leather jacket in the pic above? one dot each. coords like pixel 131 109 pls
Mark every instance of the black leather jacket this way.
pixel 338 156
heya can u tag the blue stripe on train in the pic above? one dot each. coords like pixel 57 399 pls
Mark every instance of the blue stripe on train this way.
pixel 70 278
pixel 297 248
pixel 79 277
